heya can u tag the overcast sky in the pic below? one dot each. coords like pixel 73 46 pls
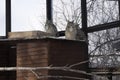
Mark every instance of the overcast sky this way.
pixel 31 14
pixel 26 15
pixel 2 17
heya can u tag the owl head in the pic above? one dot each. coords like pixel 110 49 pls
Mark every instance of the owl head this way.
pixel 71 26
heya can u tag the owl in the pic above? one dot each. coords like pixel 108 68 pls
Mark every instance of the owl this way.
pixel 73 32
pixel 50 28
pixel 80 34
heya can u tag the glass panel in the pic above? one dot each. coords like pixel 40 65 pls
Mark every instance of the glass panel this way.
pixel 28 15
pixel 102 11
pixel 99 12
pixel 103 50
pixel 2 17
pixel 64 10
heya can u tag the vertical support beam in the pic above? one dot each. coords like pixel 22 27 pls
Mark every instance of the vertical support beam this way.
pixel 84 27
pixel 8 17
pixel 49 9
pixel 119 10
pixel 84 15
pixel 110 77
pixel 110 74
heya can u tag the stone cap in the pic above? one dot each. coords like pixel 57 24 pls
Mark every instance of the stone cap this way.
pixel 27 34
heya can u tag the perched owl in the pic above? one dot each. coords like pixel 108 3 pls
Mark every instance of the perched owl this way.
pixel 73 32
pixel 50 27
pixel 80 34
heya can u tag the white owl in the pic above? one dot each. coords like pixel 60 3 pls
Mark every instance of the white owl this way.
pixel 50 28
pixel 73 32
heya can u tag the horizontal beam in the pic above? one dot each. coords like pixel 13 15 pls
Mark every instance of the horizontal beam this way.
pixel 2 37
pixel 112 55
pixel 96 28
pixel 105 71
pixel 112 0
pixel 103 26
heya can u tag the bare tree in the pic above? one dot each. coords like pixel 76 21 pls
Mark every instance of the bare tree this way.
pixel 101 51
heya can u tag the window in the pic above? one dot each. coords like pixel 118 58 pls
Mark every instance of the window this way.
pixel 102 11
pixel 2 17
pixel 28 14
pixel 101 50
pixel 64 10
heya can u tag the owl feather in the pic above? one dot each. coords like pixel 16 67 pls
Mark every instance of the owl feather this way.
pixel 50 28
pixel 73 32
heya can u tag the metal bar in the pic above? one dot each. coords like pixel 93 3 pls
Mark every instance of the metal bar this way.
pixel 8 17
pixel 84 28
pixel 96 27
pixel 106 73
pixel 119 8
pixel 113 55
pixel 84 15
pixel 49 9
pixel 103 26
pixel 2 37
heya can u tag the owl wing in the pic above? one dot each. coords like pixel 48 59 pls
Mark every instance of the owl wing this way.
pixel 80 35
pixel 51 28
pixel 54 28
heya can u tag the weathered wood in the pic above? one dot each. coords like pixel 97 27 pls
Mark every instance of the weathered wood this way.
pixel 57 53
pixel 43 52
pixel 32 54
pixel 7 59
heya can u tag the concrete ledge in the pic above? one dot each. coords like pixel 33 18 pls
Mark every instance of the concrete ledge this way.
pixel 27 34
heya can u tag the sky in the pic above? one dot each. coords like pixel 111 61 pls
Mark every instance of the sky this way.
pixel 30 15
pixel 26 15
pixel 2 17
